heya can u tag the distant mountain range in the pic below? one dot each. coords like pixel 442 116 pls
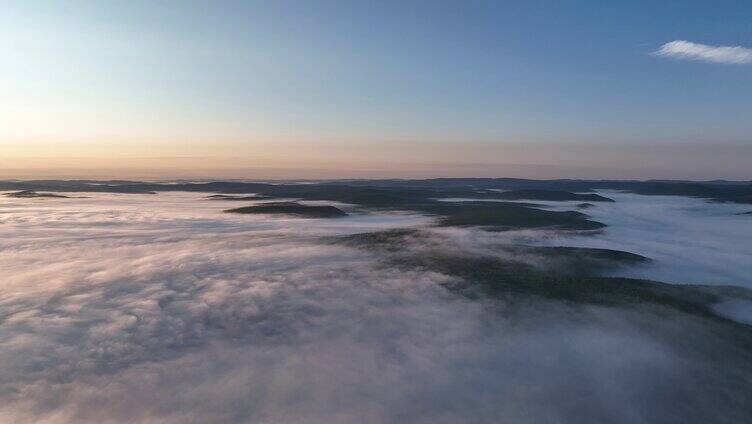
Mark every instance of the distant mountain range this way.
pixel 717 190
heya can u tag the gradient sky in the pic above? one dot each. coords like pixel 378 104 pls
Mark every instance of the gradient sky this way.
pixel 274 89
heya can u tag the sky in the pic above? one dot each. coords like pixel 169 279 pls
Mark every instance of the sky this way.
pixel 340 89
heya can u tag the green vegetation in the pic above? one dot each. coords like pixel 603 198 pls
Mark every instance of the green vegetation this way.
pixel 420 196
pixel 498 216
pixel 551 195
pixel 291 208
pixel 28 194
pixel 236 198
pixel 371 193
pixel 492 216
pixel 566 274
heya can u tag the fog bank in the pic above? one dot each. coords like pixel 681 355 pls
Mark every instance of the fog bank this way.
pixel 160 308
pixel 690 240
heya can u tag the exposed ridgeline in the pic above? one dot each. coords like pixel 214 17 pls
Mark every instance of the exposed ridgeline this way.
pixel 423 196
pixel 31 194
pixel 235 198
pixel 500 216
pixel 551 195
pixel 717 190
pixel 493 216
pixel 723 191
pixel 569 274
pixel 292 209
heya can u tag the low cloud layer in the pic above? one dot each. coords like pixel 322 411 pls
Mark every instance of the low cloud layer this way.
pixel 137 308
pixel 690 240
pixel 688 50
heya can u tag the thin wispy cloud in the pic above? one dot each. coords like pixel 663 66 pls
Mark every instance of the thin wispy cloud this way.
pixel 681 49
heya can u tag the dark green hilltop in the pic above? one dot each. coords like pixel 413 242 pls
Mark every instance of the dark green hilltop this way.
pixel 292 209
pixel 517 277
pixel 570 275
pixel 575 276
pixel 31 194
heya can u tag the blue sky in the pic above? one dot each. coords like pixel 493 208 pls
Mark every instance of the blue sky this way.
pixel 325 84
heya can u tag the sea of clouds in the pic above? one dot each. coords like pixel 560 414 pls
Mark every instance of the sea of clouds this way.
pixel 690 240
pixel 162 309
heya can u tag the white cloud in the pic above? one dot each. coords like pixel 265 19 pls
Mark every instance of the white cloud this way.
pixel 690 240
pixel 681 49
pixel 162 309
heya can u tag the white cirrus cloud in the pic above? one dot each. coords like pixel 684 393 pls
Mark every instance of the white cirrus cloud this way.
pixel 681 49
